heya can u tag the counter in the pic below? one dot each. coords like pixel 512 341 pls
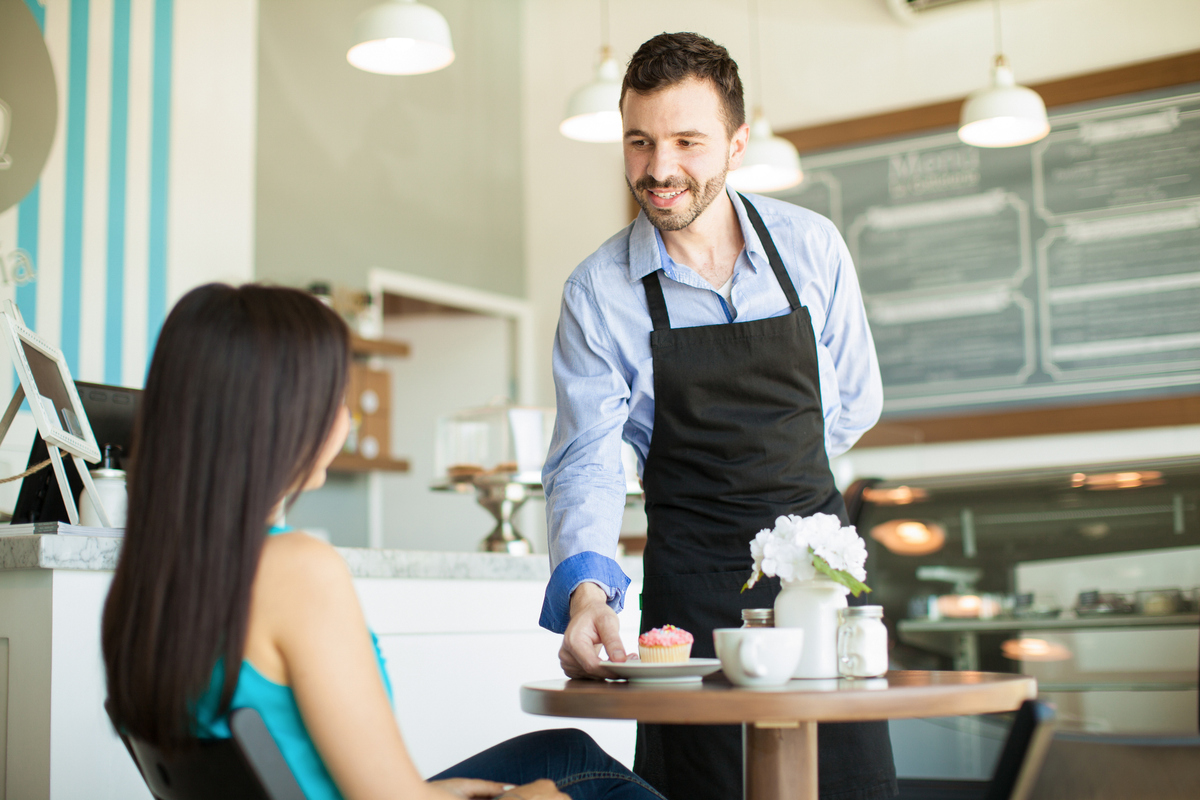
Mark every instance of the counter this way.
pixel 99 553
pixel 458 630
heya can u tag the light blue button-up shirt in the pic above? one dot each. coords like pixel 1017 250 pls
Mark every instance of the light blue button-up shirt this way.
pixel 604 378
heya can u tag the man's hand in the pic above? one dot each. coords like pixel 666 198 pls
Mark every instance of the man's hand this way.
pixel 593 625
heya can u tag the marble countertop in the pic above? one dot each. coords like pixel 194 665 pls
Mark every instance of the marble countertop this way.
pixel 99 553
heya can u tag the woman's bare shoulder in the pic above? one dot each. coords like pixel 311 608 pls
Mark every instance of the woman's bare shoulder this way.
pixel 301 561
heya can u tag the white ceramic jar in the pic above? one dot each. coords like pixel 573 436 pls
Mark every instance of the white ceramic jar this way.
pixel 813 605
pixel 862 642
pixel 110 490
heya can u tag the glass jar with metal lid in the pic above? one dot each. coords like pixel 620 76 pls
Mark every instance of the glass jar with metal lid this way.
pixel 758 618
pixel 862 642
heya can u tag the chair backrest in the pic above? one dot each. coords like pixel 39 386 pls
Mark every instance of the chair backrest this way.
pixel 1023 753
pixel 247 767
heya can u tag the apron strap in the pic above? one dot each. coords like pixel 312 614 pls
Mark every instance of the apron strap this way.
pixel 764 236
pixel 658 306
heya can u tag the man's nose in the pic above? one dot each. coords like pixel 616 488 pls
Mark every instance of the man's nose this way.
pixel 662 164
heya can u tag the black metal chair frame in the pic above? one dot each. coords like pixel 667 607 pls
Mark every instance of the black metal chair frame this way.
pixel 248 766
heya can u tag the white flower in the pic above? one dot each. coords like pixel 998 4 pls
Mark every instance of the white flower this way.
pixel 844 550
pixel 787 550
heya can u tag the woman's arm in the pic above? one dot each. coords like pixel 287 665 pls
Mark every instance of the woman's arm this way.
pixel 307 630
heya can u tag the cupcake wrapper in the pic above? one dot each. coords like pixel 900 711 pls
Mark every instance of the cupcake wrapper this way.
pixel 674 653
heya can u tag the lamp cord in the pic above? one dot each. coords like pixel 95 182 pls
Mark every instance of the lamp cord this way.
pixel 604 24
pixel 755 53
pixel 996 26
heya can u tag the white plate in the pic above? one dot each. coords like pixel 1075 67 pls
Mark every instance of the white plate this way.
pixel 673 672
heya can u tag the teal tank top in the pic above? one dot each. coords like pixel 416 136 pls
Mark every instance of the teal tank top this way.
pixel 276 704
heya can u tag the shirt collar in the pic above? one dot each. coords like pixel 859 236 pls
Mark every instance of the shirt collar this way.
pixel 644 242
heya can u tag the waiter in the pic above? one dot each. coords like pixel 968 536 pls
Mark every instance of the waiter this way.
pixel 724 337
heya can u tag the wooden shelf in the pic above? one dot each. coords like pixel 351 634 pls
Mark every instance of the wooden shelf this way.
pixel 1035 422
pixel 1052 624
pixel 378 347
pixel 357 463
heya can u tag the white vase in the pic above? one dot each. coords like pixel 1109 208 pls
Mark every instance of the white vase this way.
pixel 813 605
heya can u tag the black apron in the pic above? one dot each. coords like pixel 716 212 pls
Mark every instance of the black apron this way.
pixel 738 440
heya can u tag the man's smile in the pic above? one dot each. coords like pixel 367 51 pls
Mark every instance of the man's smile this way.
pixel 665 198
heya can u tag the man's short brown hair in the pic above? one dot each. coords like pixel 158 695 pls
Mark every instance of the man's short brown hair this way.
pixel 672 58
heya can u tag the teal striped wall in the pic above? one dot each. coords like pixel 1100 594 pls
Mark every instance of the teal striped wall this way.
pixel 95 227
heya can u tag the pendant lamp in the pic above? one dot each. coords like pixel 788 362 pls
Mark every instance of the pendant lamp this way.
pixel 401 37
pixel 594 110
pixel 1004 114
pixel 770 163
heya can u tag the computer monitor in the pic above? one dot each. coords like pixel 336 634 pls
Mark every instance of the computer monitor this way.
pixel 111 410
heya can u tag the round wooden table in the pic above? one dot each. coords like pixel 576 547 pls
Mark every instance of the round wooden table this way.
pixel 779 724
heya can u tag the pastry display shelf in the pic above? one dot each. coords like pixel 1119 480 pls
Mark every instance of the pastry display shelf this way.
pixel 1048 623
pixel 503 496
pixel 959 638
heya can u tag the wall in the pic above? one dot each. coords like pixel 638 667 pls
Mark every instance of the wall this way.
pixel 148 188
pixel 418 174
pixel 823 61
pixel 457 361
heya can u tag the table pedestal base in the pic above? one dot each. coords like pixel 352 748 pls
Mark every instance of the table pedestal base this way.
pixel 780 760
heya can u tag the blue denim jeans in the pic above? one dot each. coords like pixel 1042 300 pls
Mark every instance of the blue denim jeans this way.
pixel 566 756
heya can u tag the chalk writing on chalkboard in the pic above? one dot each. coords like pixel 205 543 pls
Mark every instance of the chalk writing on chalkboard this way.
pixel 1066 269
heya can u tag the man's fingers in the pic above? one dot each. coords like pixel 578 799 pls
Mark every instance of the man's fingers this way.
pixel 582 649
pixel 570 666
pixel 609 628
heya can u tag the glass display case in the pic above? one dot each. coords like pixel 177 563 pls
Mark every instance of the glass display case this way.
pixel 496 453
pixel 1084 578
pixel 499 440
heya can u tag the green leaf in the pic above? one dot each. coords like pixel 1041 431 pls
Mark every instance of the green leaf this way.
pixel 852 583
pixel 755 577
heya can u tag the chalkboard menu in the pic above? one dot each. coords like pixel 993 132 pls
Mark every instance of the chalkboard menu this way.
pixel 1064 270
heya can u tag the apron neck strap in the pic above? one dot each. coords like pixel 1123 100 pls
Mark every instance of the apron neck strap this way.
pixel 658 306
pixel 764 236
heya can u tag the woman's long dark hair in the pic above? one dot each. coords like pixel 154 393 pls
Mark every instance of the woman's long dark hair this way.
pixel 243 390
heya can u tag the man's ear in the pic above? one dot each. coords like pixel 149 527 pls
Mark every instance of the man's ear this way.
pixel 737 146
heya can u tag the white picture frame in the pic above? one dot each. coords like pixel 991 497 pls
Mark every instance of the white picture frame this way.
pixel 61 421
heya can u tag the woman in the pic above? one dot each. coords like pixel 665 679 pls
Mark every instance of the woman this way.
pixel 243 409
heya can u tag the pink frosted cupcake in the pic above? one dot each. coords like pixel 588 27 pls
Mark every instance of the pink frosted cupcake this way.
pixel 665 644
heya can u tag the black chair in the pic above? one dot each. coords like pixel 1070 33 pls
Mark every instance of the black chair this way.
pixel 1016 770
pixel 247 767
pixel 1024 752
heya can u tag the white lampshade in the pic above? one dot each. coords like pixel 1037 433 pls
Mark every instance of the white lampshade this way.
pixel 770 164
pixel 593 112
pixel 401 37
pixel 1004 114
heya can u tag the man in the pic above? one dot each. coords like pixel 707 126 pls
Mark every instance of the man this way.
pixel 725 339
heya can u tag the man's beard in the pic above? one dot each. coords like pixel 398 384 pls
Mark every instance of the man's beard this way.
pixel 673 219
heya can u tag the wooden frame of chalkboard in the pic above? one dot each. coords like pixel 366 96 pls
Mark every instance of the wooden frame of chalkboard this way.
pixel 949 424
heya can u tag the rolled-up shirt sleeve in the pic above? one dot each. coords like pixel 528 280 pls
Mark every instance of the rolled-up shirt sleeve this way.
pixel 847 338
pixel 583 476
